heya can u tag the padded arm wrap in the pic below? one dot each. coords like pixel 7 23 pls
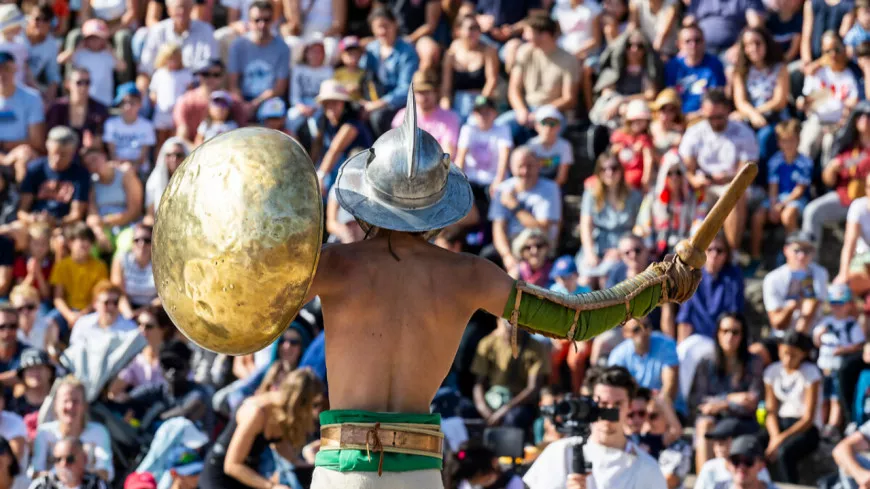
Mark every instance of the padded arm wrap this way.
pixel 583 316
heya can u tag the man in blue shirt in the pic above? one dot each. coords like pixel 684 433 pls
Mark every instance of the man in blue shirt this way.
pixel 651 357
pixel 693 71
pixel 57 185
pixel 22 119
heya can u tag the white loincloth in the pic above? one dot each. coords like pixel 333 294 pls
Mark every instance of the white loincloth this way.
pixel 415 479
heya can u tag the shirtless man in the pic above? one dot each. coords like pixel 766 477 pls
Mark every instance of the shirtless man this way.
pixel 395 307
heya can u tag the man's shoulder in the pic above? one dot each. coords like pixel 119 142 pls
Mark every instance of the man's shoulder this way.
pixel 776 275
pixel 26 93
pixel 663 342
pixel 621 351
pixel 200 27
pixel 547 186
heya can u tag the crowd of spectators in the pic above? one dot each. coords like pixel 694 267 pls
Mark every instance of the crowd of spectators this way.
pixel 595 136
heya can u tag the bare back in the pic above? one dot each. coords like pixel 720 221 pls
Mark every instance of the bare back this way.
pixel 393 326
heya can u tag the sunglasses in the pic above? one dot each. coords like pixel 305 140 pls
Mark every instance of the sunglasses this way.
pixel 68 459
pixel 549 123
pixel 211 74
pixel 637 414
pixel 730 332
pixel 802 250
pixel 142 241
pixel 27 308
pixel 8 326
pixel 738 461
pixel 83 83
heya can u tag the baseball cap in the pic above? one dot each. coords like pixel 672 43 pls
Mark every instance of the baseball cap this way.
pixel 186 462
pixel 349 42
pixel 425 80
pixel 271 109
pixel 839 294
pixel 801 237
pixel 545 112
pixel 482 101
pixel 126 90
pixel 208 64
pixel 33 357
pixel 221 96
pixel 796 339
pixel 564 265
pixel 140 480
pixel 730 428
pixel 746 446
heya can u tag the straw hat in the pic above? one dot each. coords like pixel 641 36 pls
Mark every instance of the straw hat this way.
pixel 668 96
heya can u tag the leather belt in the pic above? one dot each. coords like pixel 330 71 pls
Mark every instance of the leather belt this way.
pixel 383 439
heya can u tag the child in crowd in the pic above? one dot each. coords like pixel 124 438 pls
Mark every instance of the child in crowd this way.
pixel 273 114
pixel 837 335
pixel 565 278
pixel 477 466
pixel 714 472
pixel 129 136
pixel 218 120
pixel 169 82
pixel 860 31
pixel 554 153
pixel 633 146
pixel 94 53
pixel 349 73
pixel 11 24
pixel 305 81
pixel 483 150
pixel 34 268
pixel 73 278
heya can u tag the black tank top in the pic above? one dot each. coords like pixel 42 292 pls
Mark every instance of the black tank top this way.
pixel 213 473
pixel 469 80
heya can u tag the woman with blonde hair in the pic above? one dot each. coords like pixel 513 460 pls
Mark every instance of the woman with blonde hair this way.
pixel 33 329
pixel 668 122
pixel 281 418
pixel 171 79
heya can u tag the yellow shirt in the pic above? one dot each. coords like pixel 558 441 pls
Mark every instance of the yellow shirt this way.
pixel 78 279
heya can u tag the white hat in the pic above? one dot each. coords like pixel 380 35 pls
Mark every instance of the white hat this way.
pixel 333 90
pixel 545 112
pixel 10 16
pixel 637 109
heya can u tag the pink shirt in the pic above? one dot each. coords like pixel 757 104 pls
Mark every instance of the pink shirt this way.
pixel 442 124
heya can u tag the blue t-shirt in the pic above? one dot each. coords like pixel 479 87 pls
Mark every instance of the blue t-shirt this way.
pixel 722 20
pixel 55 191
pixel 856 36
pixel 392 74
pixel 715 295
pixel 693 82
pixel 790 175
pixel 646 369
pixel 18 112
pixel 783 31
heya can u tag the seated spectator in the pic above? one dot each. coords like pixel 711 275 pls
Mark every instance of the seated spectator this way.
pixel 651 358
pixel 171 79
pixel 91 51
pixel 819 17
pixel 860 31
pixel 70 468
pixel 305 84
pixel 635 421
pixel 727 385
pixel 614 20
pixel 442 124
pixel 714 150
pixel 173 152
pixel 543 74
pixel 745 463
pixel 390 62
pixel 156 327
pixel 668 123
pixel 608 212
pixel 506 388
pixel 218 119
pixel 789 175
pixel 192 107
pixel 36 374
pixel 71 410
pixel 33 268
pixel 784 21
pixel 850 454
pixel 722 25
pixel 478 466
pixel 132 274
pixel 630 70
pixel 693 72
pixel 348 72
pixel 129 137
pixel 856 251
pixel 616 460
pixel 828 96
pixel 761 87
pixel 792 399
pixel 74 277
pixel 10 346
pixel 43 50
pixel 483 151
pixel 33 328
pixel 531 249
pixel 78 110
pixel 56 186
pixel 554 152
pixel 116 194
pixel 836 335
pixel 154 403
pixel 715 471
pixel 632 146
pixel 272 114
pixel 469 70
pixel 672 210
pixel 658 20
pixel 523 201
pixel 106 318
pixel 23 134
pixel 675 456
pixel 793 292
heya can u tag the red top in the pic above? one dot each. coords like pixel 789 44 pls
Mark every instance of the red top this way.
pixel 630 155
pixel 850 179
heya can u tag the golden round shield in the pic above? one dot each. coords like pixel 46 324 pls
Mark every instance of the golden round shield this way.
pixel 237 238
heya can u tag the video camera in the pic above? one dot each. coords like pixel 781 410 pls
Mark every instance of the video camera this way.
pixel 573 414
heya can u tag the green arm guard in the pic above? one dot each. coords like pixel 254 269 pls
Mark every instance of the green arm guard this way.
pixel 583 316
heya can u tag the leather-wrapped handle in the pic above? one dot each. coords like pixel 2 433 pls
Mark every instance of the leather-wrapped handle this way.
pixel 692 252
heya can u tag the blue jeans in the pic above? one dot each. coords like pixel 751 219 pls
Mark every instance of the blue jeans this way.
pixel 463 103
pixel 766 144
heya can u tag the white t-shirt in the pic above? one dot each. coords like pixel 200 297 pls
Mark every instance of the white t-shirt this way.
pixel 719 152
pixel 783 284
pixel 715 472
pixel 12 426
pixel 95 438
pixel 36 337
pixel 859 211
pixel 87 328
pixel 305 83
pixel 129 138
pixel 20 48
pixel 631 468
pixel 481 160
pixel 790 389
pixel 577 24
pixel 108 10
pixel 829 90
pixel 832 333
pixel 101 66
pixel 560 153
pixel 169 86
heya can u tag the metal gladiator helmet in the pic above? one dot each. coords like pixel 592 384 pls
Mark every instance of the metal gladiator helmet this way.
pixel 405 181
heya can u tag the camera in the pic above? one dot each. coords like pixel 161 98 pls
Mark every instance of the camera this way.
pixel 573 414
